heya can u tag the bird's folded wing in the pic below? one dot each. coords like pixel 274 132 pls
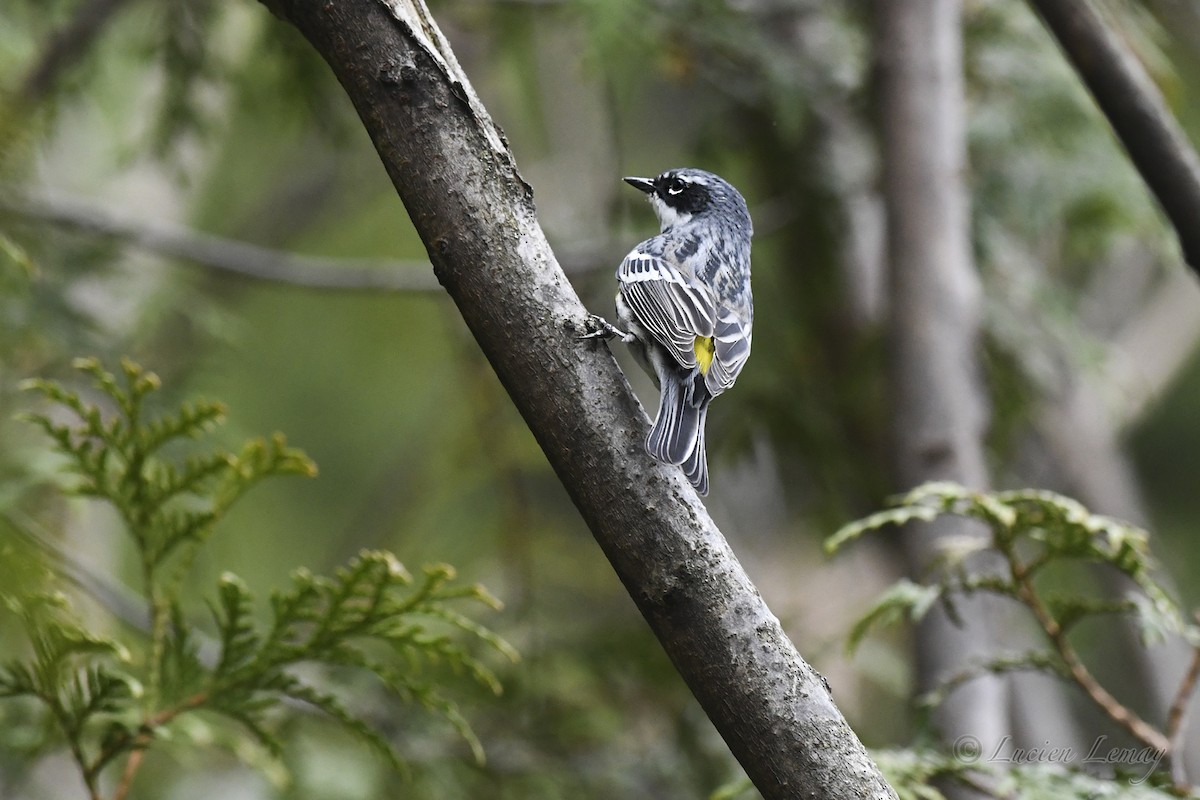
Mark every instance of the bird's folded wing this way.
pixel 674 310
pixel 732 335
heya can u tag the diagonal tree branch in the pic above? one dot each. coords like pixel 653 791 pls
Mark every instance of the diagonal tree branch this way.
pixel 1137 112
pixel 457 178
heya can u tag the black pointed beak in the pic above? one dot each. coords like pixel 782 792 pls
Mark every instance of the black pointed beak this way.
pixel 641 184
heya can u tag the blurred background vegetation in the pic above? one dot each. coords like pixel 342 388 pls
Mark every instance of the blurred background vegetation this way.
pixel 213 119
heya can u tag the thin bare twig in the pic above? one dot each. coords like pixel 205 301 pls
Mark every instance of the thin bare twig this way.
pixel 225 255
pixel 138 742
pixel 1178 713
pixel 1137 112
pixel 1117 711
pixel 129 773
pixel 253 261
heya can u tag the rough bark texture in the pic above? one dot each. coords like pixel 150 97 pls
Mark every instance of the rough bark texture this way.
pixel 475 214
pixel 1135 108
pixel 933 326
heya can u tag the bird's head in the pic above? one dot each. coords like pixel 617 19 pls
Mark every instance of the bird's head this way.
pixel 680 196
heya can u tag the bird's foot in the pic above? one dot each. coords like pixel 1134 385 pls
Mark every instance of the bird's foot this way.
pixel 598 327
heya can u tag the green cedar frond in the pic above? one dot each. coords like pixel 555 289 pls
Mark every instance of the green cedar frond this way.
pixel 985 583
pixel 903 600
pixel 331 707
pixel 183 672
pixel 58 638
pixel 79 677
pixel 1071 609
pixel 921 773
pixel 736 789
pixel 92 691
pixel 1158 617
pixel 1036 528
pixel 1050 781
pixel 1028 531
pixel 250 718
pixel 913 772
pixel 176 528
pixel 472 666
pixel 17 680
pixel 1066 530
pixel 336 621
pixel 168 506
pixel 371 616
pixel 880 519
pixel 239 640
pixel 192 420
pixel 168 481
pixel 1033 661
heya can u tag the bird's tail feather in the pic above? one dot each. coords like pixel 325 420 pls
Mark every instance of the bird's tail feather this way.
pixel 696 465
pixel 677 436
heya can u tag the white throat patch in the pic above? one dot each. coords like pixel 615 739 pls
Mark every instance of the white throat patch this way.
pixel 669 217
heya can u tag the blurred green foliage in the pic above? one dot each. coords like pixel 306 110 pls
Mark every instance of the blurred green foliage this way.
pixel 112 698
pixel 219 117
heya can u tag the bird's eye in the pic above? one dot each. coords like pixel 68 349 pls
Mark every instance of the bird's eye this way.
pixel 676 186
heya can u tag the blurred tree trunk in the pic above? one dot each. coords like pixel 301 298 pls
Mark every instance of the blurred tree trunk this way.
pixel 933 328
pixel 452 168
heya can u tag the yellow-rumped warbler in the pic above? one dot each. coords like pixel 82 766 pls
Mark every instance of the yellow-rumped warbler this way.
pixel 684 303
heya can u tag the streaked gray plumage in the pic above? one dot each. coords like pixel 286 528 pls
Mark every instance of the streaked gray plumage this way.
pixel 685 305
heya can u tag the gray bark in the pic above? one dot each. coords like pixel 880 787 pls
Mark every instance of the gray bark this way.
pixel 456 176
pixel 934 317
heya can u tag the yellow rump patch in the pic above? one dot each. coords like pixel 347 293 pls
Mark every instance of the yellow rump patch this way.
pixel 705 348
